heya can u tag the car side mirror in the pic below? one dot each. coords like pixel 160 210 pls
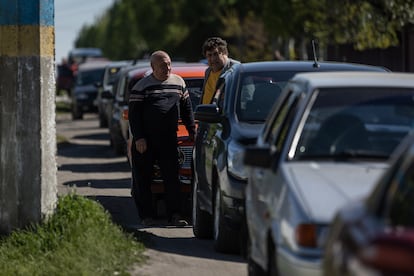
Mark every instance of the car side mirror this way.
pixel 257 156
pixel 207 113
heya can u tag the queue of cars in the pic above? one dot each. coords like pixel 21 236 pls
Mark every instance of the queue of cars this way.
pixel 283 151
pixel 245 96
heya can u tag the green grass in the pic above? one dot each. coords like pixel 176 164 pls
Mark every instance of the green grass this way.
pixel 78 239
pixel 62 107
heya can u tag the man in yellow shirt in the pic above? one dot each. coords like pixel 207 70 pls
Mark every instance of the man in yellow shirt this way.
pixel 215 51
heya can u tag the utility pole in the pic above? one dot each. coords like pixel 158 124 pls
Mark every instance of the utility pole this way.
pixel 28 182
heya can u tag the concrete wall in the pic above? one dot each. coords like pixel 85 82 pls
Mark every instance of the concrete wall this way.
pixel 28 184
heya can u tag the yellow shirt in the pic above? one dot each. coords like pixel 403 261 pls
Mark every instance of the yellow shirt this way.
pixel 210 87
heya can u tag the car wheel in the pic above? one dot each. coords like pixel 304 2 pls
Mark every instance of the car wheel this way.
pixel 103 122
pixel 225 240
pixel 202 220
pixel 76 113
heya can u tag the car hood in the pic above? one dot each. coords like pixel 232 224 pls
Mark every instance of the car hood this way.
pixel 322 188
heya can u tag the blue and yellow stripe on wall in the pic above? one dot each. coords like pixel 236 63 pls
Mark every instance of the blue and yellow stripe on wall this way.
pixel 27 28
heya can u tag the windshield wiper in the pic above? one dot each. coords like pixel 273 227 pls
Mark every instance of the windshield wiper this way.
pixel 347 154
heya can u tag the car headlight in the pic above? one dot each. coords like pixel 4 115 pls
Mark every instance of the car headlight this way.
pixel 304 235
pixel 311 235
pixel 235 163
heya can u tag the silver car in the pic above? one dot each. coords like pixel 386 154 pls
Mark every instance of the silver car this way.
pixel 327 141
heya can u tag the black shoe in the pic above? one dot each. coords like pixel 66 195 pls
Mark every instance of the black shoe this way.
pixel 178 221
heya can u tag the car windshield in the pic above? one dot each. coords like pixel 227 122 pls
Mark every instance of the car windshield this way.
pixel 112 73
pixel 357 122
pixel 194 87
pixel 90 76
pixel 257 93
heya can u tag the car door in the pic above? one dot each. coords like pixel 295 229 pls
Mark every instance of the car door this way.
pixel 265 184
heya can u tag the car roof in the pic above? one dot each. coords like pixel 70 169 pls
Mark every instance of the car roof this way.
pixel 96 64
pixel 185 70
pixel 305 65
pixel 360 79
pixel 86 52
pixel 189 70
pixel 119 63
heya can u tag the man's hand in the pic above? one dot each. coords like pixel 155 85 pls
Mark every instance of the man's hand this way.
pixel 141 145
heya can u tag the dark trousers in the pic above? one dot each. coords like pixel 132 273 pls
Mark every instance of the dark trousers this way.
pixel 161 147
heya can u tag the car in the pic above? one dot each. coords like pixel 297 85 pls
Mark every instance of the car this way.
pixel 103 101
pixel 225 129
pixel 67 70
pixel 118 123
pixel 193 75
pixel 80 55
pixel 326 142
pixel 375 235
pixel 88 79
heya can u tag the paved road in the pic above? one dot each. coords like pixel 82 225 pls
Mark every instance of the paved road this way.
pixel 89 166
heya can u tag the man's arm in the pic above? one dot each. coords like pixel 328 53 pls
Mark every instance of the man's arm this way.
pixel 187 115
pixel 135 116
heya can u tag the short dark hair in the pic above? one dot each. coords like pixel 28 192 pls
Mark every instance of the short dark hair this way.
pixel 213 43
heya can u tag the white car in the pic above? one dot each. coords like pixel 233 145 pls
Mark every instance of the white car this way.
pixel 326 142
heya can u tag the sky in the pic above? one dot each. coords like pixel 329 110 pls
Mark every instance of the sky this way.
pixel 70 17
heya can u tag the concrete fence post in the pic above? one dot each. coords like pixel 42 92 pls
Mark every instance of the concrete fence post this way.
pixel 28 183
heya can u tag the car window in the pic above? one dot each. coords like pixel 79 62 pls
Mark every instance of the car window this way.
pixel 121 87
pixel 90 76
pixel 194 87
pixel 257 93
pixel 281 120
pixel 356 121
pixel 111 74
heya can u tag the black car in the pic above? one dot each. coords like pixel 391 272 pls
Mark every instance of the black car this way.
pixel 89 78
pixel 245 96
pixel 104 100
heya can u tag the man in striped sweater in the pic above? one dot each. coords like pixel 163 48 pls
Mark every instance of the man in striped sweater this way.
pixel 155 105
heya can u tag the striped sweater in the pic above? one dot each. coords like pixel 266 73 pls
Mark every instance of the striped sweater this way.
pixel 155 106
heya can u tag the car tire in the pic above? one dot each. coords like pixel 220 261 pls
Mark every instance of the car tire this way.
pixel 202 221
pixel 77 114
pixel 102 121
pixel 225 239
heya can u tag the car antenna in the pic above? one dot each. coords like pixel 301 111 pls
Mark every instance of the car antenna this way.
pixel 315 58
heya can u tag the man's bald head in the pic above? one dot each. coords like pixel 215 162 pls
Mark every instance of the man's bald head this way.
pixel 161 65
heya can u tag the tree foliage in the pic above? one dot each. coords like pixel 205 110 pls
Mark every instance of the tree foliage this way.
pixel 253 29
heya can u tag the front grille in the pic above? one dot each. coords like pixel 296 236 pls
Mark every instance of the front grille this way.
pixel 185 154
